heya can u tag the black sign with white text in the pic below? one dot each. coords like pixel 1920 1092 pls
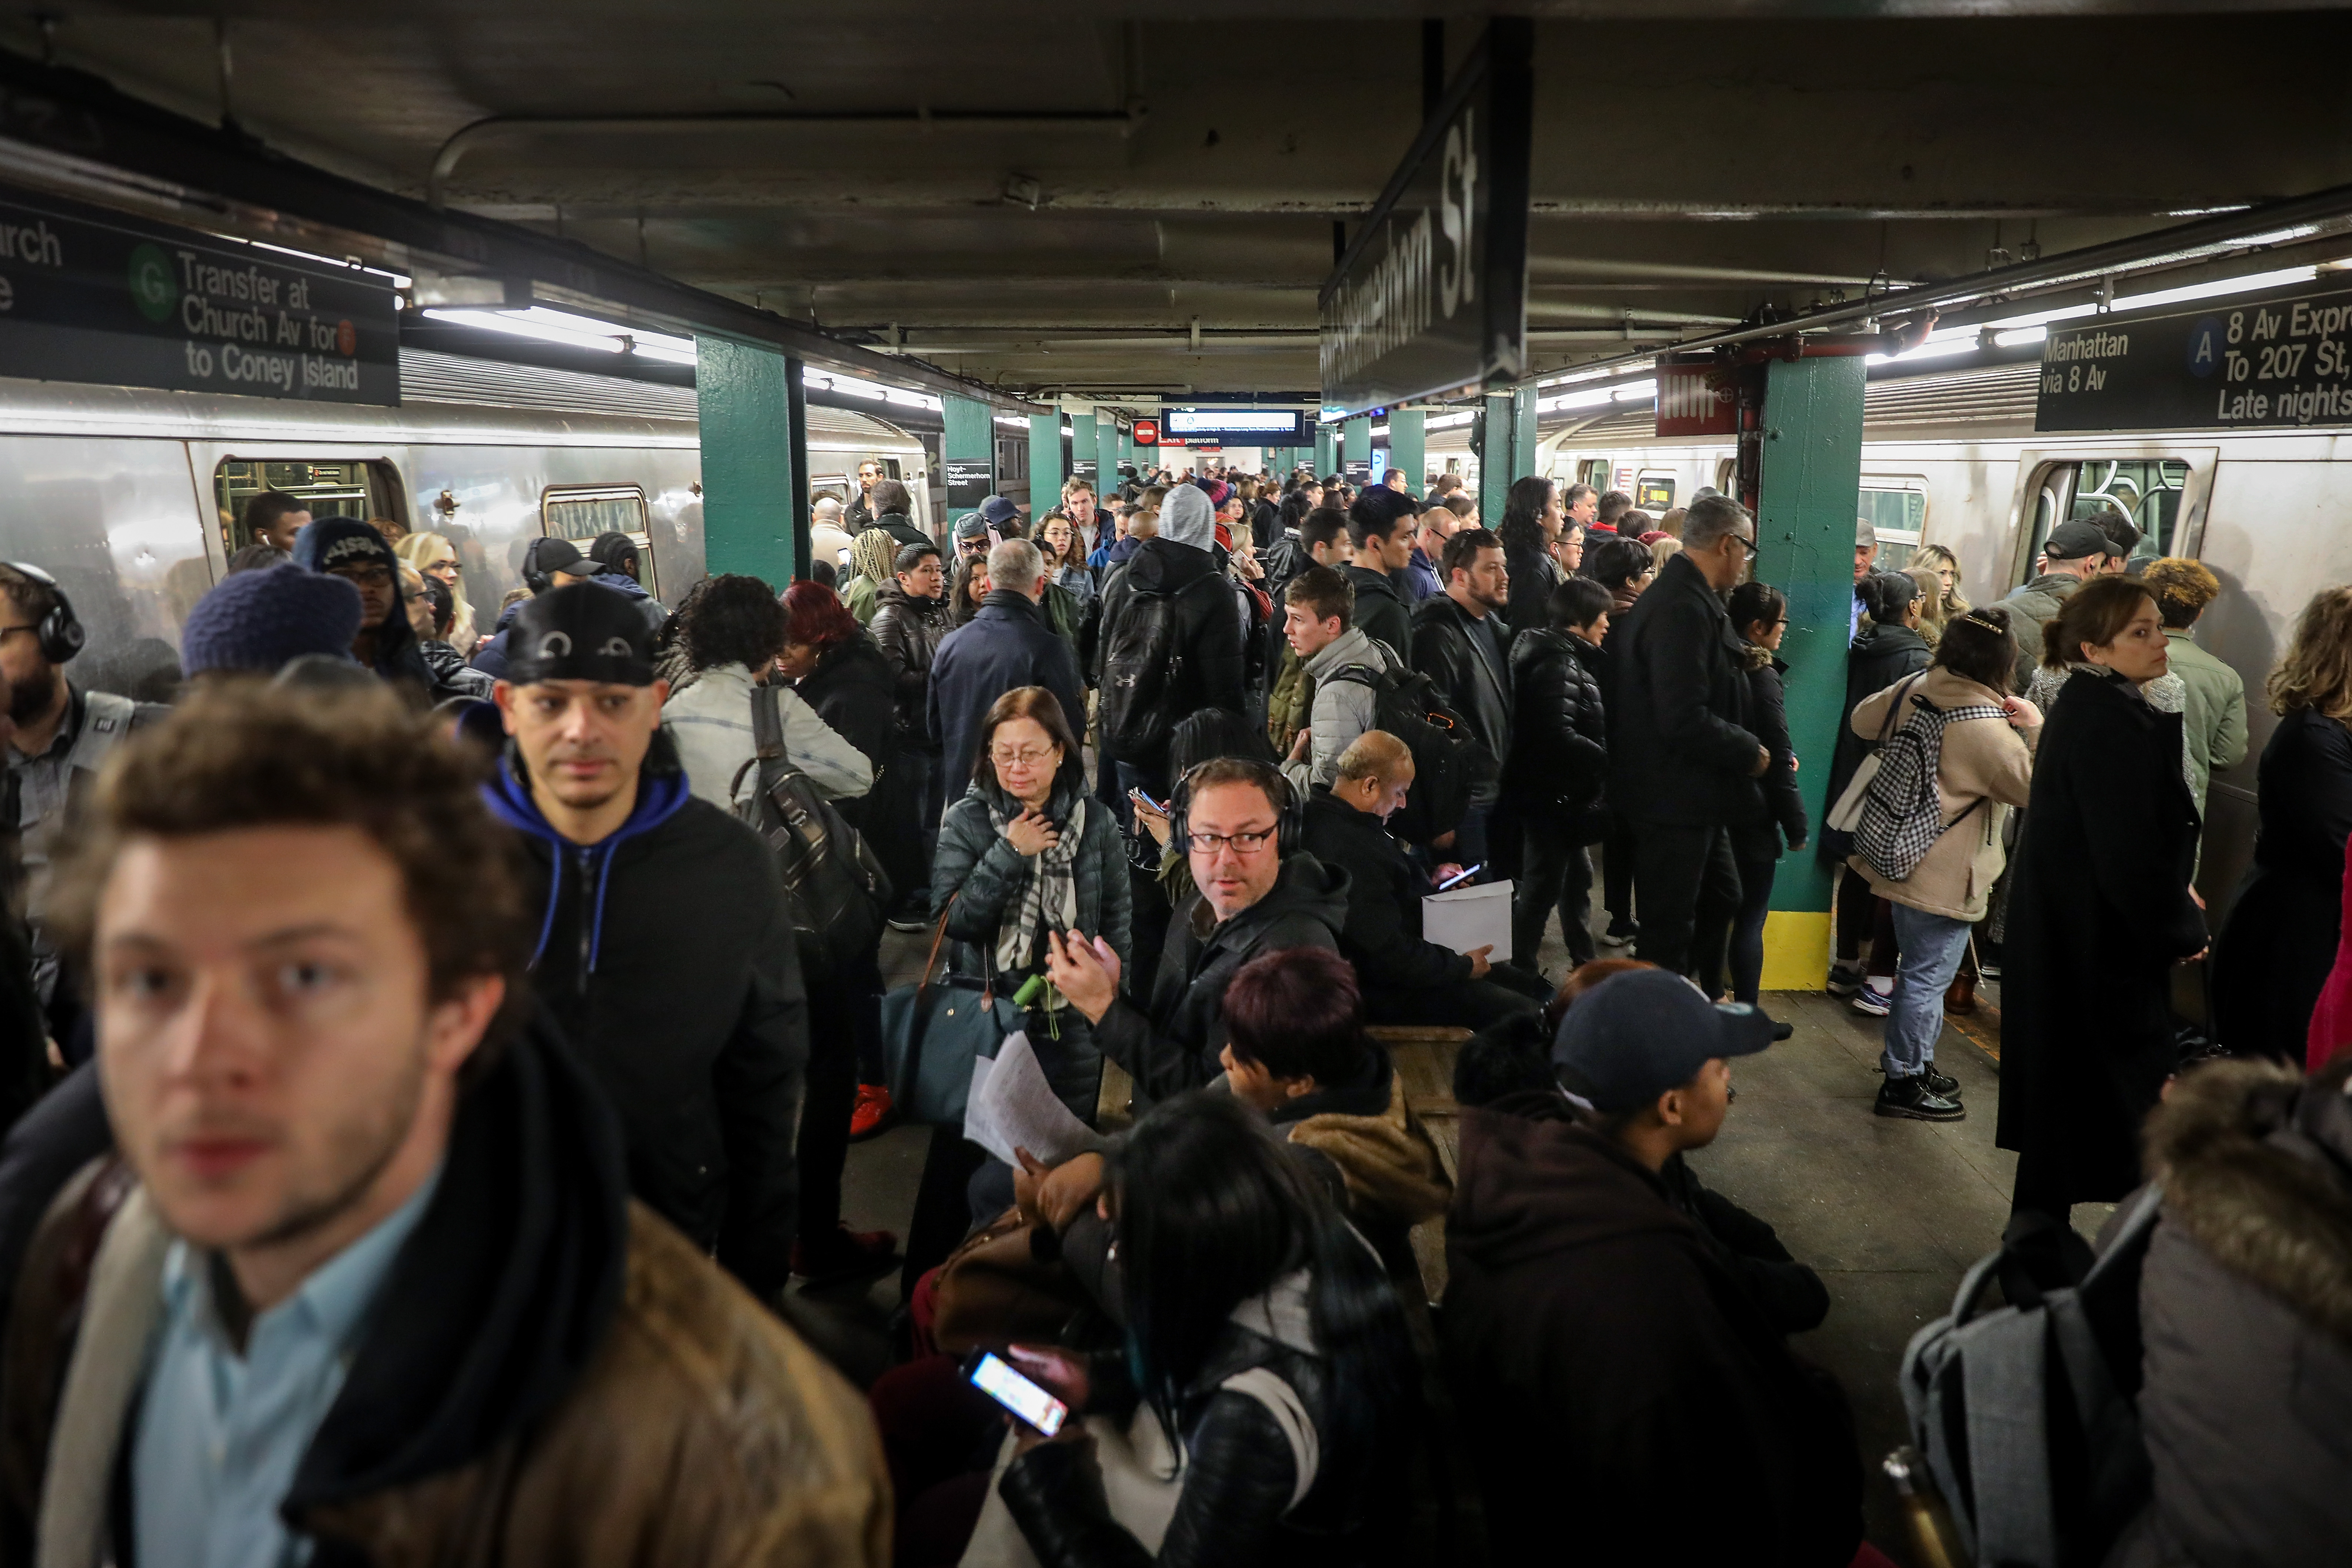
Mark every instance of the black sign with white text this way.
pixel 90 296
pixel 1431 297
pixel 2279 359
pixel 969 484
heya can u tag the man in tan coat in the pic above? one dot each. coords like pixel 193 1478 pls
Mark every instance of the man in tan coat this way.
pixel 1986 766
pixel 365 1282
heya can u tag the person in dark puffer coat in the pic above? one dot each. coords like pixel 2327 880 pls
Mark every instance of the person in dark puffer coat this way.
pixel 1560 763
pixel 1759 612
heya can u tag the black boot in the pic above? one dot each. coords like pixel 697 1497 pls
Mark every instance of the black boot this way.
pixel 1911 1098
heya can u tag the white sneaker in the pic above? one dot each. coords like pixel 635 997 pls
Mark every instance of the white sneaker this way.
pixel 1874 1000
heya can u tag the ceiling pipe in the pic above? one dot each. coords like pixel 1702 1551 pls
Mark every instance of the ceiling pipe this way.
pixel 1594 269
pixel 499 127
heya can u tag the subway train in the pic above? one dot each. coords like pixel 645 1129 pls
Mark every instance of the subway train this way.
pixel 1951 457
pixel 131 499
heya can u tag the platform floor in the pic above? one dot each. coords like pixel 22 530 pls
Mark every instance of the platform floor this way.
pixel 1890 1212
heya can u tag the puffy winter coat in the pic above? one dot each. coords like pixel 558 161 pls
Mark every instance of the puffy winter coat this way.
pixel 1560 732
pixel 1784 803
pixel 1342 710
pixel 908 631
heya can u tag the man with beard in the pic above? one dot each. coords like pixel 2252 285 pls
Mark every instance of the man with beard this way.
pixel 63 734
pixel 1458 641
pixel 663 949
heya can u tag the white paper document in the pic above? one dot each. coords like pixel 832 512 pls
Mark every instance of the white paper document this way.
pixel 1469 917
pixel 1013 1106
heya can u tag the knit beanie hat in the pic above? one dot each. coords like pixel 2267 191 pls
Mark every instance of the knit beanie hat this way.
pixel 260 620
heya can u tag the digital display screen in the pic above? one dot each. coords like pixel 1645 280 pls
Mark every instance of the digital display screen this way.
pixel 1242 426
pixel 995 1377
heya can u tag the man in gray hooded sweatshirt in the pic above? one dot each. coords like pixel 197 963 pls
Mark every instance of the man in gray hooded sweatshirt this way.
pixel 1171 644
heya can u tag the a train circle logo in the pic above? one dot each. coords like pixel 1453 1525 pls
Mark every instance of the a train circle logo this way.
pixel 152 288
pixel 347 339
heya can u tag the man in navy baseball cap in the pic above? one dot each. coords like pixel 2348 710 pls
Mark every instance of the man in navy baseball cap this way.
pixel 1642 1037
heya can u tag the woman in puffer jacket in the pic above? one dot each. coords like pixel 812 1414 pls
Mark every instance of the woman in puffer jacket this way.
pixel 1560 764
pixel 1986 768
pixel 1267 1380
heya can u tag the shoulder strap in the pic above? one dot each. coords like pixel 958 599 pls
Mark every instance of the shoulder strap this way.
pixel 1358 675
pixel 767 722
pixel 1282 1402
pixel 1894 708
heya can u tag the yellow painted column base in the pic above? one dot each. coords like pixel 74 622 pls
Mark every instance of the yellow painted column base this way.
pixel 1796 950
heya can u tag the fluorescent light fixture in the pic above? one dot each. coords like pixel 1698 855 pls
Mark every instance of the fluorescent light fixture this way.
pixel 515 326
pixel 338 263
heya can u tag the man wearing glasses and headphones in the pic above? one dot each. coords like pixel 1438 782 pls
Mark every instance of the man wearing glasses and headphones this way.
pixel 62 736
pixel 1259 892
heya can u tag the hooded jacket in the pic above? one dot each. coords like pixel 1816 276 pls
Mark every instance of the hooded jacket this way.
pixel 1340 710
pixel 629 588
pixel 1381 934
pixel 2245 1305
pixel 549 1370
pixel 1209 632
pixel 397 656
pixel 1385 1160
pixel 1007 644
pixel 665 956
pixel 1380 610
pixel 1609 1360
pixel 1464 655
pixel 908 631
pixel 1173 1044
pixel 1680 750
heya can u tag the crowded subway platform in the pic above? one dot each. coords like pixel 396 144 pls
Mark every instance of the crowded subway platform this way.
pixel 1253 794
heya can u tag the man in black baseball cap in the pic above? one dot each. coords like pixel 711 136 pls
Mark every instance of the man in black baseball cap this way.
pixel 1616 1334
pixel 2075 553
pixel 663 949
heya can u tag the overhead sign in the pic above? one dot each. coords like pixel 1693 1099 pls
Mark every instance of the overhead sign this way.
pixel 1431 297
pixel 86 295
pixel 1244 427
pixel 1147 433
pixel 2278 359
pixel 1698 400
pixel 969 483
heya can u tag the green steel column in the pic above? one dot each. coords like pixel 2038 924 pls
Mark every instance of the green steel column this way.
pixel 1408 447
pixel 1523 436
pixel 743 403
pixel 1355 443
pixel 1805 534
pixel 969 437
pixel 1045 463
pixel 796 421
pixel 1497 464
pixel 1327 451
pixel 1084 448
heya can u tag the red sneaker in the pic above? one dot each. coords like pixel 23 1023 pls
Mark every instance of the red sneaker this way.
pixel 873 1114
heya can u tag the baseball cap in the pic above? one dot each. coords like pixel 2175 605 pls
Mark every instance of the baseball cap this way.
pixel 2076 541
pixel 584 632
pixel 547 556
pixel 998 510
pixel 1637 1035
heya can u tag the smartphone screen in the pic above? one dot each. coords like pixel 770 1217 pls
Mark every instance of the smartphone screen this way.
pixel 1159 807
pixel 994 1376
pixel 1462 876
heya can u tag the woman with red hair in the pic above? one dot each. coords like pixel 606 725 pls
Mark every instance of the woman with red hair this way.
pixel 838 669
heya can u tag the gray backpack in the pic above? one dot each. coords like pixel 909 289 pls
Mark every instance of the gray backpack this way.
pixel 2025 1414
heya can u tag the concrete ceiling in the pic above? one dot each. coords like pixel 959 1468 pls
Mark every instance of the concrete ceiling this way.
pixel 1108 199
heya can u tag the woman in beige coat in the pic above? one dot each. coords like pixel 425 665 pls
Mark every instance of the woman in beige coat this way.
pixel 1987 766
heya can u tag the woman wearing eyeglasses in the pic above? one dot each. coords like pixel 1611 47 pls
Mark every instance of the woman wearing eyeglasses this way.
pixel 1025 852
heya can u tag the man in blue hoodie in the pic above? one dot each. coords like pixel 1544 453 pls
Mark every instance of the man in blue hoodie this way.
pixel 663 949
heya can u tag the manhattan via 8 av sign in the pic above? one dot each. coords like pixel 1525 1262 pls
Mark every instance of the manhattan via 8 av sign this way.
pixel 1431 297
pixel 2278 359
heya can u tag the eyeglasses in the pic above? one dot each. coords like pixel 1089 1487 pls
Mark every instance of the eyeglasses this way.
pixel 1746 543
pixel 1241 843
pixel 1031 757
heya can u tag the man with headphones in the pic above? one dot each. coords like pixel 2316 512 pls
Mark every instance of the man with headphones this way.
pixel 62 737
pixel 1259 890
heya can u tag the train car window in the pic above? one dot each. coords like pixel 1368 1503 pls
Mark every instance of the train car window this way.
pixel 1654 493
pixel 1726 469
pixel 834 485
pixel 583 512
pixel 1896 508
pixel 1593 471
pixel 2146 490
pixel 356 487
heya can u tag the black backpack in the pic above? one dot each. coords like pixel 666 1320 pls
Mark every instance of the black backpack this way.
pixel 1448 763
pixel 836 891
pixel 1143 664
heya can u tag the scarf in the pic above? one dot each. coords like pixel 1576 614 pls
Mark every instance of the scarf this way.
pixel 1048 899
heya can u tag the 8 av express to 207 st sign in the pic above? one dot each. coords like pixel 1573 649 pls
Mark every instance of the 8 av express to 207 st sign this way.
pixel 87 295
pixel 1431 297
pixel 2278 359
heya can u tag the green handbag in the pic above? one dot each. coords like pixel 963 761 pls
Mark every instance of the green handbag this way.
pixel 932 1031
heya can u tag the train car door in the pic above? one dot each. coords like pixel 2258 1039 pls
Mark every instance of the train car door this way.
pixel 2162 489
pixel 367 488
pixel 583 514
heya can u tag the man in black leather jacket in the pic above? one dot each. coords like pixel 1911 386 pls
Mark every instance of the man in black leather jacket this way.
pixel 1458 643
pixel 1681 756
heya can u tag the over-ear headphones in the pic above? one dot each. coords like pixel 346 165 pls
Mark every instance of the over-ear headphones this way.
pixel 59 632
pixel 1290 821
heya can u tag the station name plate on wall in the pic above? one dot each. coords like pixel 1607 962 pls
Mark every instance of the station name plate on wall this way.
pixel 2281 359
pixel 91 296
pixel 1431 295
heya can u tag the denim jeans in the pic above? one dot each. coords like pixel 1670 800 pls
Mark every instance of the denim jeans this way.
pixel 1933 946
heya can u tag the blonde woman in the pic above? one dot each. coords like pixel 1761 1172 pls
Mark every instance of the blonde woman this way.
pixel 2274 953
pixel 434 557
pixel 1663 550
pixel 1945 565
